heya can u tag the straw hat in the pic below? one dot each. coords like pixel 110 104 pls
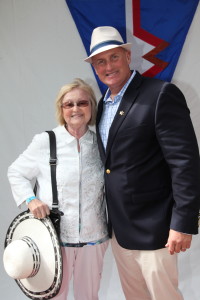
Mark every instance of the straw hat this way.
pixel 32 256
pixel 105 38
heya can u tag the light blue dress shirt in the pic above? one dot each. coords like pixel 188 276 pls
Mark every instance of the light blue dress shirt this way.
pixel 110 108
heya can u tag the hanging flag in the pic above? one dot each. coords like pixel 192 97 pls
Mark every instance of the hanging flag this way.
pixel 156 29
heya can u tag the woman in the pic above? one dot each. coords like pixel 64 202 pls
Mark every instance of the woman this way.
pixel 79 184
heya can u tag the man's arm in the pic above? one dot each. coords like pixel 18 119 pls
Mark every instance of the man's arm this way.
pixel 178 142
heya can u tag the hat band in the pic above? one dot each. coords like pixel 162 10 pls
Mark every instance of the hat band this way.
pixel 35 255
pixel 103 44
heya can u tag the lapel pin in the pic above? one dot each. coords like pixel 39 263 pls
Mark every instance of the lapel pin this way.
pixel 121 113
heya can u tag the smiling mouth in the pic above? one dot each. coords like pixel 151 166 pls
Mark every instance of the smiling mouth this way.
pixel 76 116
pixel 111 74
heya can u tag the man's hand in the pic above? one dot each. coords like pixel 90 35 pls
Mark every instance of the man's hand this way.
pixel 38 208
pixel 178 241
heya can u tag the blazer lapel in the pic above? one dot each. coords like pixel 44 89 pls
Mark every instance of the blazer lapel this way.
pixel 124 107
pixel 99 140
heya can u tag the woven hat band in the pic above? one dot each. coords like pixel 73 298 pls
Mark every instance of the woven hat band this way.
pixel 103 44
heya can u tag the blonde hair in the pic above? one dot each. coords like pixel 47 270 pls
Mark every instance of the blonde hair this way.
pixel 80 84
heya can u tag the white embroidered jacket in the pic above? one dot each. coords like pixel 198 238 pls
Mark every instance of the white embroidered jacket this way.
pixel 80 183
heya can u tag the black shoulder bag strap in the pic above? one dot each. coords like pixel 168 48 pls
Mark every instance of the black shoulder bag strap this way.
pixel 52 163
pixel 55 212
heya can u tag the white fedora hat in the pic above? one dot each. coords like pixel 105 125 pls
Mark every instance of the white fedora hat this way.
pixel 32 256
pixel 105 38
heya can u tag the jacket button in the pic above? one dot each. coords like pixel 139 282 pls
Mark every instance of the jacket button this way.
pixel 108 171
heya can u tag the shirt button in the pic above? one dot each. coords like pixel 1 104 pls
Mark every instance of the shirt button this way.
pixel 108 171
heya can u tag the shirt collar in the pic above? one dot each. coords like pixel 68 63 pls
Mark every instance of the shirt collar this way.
pixel 88 137
pixel 119 96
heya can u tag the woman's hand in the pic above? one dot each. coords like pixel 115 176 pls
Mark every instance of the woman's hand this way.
pixel 38 208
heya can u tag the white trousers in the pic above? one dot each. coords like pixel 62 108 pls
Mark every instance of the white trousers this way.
pixel 85 264
pixel 147 275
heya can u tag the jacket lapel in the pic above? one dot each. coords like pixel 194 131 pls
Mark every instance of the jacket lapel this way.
pixel 127 101
pixel 99 140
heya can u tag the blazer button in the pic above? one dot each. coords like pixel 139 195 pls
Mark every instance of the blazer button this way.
pixel 108 171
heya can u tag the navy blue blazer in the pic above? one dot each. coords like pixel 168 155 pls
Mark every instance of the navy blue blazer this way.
pixel 152 169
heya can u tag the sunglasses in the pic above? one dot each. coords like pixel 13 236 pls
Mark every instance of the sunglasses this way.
pixel 69 104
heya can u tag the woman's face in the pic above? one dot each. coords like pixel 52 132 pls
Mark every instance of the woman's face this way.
pixel 76 109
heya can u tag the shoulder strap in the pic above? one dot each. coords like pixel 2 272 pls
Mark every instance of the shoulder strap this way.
pixel 52 163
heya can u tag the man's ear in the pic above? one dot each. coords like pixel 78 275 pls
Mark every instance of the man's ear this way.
pixel 95 71
pixel 128 57
pixel 94 68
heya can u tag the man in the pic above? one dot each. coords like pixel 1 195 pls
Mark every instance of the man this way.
pixel 152 175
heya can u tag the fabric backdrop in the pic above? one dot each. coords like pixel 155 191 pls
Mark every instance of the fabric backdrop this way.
pixel 40 50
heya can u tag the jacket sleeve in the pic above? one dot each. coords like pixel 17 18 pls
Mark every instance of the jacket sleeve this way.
pixel 24 169
pixel 177 139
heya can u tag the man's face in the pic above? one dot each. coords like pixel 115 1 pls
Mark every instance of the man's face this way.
pixel 112 67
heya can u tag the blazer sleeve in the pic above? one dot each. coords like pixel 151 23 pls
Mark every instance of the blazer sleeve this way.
pixel 178 142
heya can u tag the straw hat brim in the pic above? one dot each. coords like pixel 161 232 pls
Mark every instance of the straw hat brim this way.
pixel 47 282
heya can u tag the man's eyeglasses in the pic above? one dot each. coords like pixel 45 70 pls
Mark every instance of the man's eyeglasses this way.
pixel 69 104
pixel 103 62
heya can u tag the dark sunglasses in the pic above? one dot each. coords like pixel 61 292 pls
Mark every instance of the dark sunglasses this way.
pixel 69 104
